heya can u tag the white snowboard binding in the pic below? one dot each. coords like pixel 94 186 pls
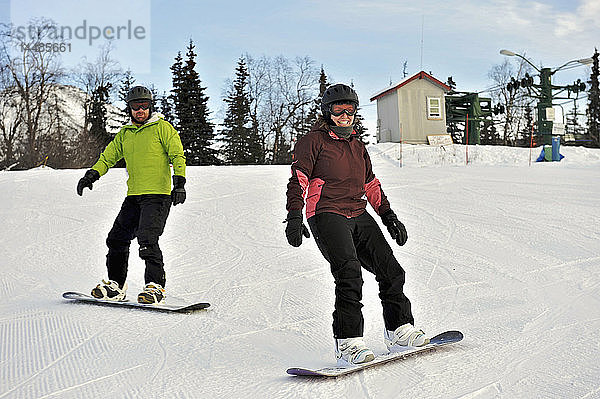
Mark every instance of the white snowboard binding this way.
pixel 403 336
pixel 352 351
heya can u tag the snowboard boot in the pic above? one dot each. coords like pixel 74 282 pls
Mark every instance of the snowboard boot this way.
pixel 352 351
pixel 403 336
pixel 153 293
pixel 110 290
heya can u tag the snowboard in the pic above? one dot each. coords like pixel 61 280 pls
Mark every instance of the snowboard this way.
pixel 171 304
pixel 445 338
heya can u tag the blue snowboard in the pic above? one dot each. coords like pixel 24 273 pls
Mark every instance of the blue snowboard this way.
pixel 445 338
pixel 170 304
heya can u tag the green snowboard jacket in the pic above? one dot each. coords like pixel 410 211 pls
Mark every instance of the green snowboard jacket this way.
pixel 148 150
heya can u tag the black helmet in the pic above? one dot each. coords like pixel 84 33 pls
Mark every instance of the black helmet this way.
pixel 138 93
pixel 337 93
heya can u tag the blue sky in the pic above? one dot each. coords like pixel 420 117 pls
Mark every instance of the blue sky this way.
pixel 363 41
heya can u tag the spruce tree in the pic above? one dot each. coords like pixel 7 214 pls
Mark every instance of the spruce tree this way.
pixel 176 96
pixel 242 144
pixel 166 107
pixel 256 151
pixel 97 116
pixel 594 103
pixel 191 111
pixel 154 97
pixel 301 121
pixel 528 131
pixel 359 128
pixel 127 83
pixel 574 126
pixel 284 155
pixel 489 134
pixel 315 109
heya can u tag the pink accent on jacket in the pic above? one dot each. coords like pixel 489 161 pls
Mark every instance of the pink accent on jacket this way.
pixel 373 193
pixel 338 174
pixel 314 195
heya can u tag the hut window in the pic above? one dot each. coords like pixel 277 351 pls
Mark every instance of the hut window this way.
pixel 434 109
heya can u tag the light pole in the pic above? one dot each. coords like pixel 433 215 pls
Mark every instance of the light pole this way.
pixel 545 92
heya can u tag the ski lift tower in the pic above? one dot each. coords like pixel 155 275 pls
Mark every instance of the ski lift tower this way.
pixel 544 92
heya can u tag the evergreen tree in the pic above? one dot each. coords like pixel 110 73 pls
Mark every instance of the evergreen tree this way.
pixel 176 96
pixel 359 128
pixel 528 127
pixel 154 97
pixel 127 83
pixel 242 144
pixel 302 122
pixel 574 126
pixel 191 111
pixel 315 109
pixel 489 134
pixel 284 155
pixel 166 107
pixel 256 152
pixel 97 116
pixel 594 103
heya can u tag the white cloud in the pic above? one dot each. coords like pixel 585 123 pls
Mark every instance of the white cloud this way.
pixel 590 9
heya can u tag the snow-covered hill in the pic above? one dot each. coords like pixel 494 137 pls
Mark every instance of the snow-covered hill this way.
pixel 507 253
pixel 73 100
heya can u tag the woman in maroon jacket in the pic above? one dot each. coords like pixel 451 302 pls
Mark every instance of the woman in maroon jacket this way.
pixel 332 169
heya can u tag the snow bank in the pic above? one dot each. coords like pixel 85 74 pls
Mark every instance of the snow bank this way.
pixel 411 155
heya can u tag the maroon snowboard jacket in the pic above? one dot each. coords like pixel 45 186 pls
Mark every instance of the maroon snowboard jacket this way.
pixel 334 174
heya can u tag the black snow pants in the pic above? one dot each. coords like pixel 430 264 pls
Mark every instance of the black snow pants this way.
pixel 142 216
pixel 347 244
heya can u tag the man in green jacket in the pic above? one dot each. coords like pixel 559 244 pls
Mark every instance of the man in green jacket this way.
pixel 149 145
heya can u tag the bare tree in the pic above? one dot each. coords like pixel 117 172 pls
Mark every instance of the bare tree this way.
pixel 593 111
pixel 280 89
pixel 98 79
pixel 34 71
pixel 258 87
pixel 295 87
pixel 11 118
pixel 103 72
pixel 510 96
pixel 59 130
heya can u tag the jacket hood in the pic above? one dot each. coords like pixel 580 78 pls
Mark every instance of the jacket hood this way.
pixel 321 124
pixel 154 117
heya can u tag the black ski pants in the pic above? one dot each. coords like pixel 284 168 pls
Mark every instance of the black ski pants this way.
pixel 142 216
pixel 347 244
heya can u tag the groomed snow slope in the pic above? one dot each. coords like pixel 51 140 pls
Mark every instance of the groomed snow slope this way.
pixel 507 253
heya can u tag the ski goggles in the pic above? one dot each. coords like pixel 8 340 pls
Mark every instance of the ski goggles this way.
pixel 140 105
pixel 339 109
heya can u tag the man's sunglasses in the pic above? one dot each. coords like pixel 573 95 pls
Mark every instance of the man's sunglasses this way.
pixel 339 109
pixel 140 105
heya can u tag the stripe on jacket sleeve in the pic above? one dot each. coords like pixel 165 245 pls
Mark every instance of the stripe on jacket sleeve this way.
pixel 314 196
pixel 303 180
pixel 373 193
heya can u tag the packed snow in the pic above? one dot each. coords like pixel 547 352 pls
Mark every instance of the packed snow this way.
pixel 504 251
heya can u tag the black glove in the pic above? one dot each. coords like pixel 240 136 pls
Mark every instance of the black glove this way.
pixel 295 228
pixel 87 180
pixel 178 192
pixel 395 227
